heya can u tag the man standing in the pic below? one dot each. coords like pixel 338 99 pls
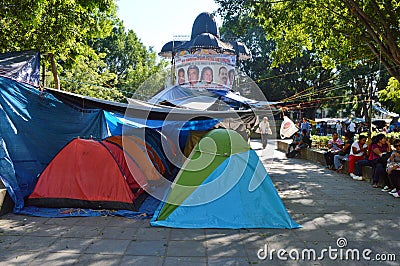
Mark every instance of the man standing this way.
pixel 306 126
pixel 339 128
pixel 264 131
pixel 352 127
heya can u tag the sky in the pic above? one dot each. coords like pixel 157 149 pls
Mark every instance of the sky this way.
pixel 156 22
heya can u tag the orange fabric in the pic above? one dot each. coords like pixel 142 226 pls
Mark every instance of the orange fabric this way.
pixel 138 155
pixel 84 170
pixel 154 158
pixel 132 173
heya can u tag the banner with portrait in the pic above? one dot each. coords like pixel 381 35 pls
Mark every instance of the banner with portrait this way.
pixel 205 71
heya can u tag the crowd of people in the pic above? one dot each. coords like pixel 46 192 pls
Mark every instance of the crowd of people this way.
pixel 381 154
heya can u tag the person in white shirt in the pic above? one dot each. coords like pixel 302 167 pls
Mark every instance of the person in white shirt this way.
pixel 357 153
pixel 339 128
pixel 352 127
pixel 264 131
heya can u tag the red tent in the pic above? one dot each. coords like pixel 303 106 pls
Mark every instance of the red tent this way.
pixel 89 174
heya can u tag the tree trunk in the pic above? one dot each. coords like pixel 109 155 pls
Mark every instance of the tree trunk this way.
pixel 54 71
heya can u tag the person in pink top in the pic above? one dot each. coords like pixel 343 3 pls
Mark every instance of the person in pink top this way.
pixel 377 159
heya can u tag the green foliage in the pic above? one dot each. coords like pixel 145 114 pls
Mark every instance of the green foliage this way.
pixel 54 26
pixel 391 95
pixel 94 54
pixel 127 57
pixel 84 79
pixel 338 30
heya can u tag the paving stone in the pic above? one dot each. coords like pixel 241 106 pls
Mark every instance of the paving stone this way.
pixel 184 261
pixel 188 234
pixel 32 243
pixel 186 249
pixel 119 232
pixel 55 259
pixel 153 233
pixel 70 245
pixel 229 249
pixel 107 246
pixel 20 258
pixel 142 260
pixel 99 260
pixel 127 222
pixel 84 231
pixel 233 261
pixel 45 230
pixel 147 248
pixel 64 221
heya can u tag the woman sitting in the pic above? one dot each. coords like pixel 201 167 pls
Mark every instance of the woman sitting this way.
pixel 358 152
pixel 379 149
pixel 393 169
pixel 344 152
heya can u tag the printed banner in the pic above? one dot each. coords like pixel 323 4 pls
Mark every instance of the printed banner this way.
pixel 205 71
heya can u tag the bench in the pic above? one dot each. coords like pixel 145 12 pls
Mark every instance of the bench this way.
pixel 317 155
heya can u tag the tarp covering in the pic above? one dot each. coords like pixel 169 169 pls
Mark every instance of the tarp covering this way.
pixel 21 66
pixel 34 127
pixel 233 190
pixel 384 111
pixel 145 211
pixel 208 98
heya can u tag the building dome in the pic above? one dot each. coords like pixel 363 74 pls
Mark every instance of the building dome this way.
pixel 204 23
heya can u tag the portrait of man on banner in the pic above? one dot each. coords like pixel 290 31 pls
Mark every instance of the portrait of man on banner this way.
pixel 205 71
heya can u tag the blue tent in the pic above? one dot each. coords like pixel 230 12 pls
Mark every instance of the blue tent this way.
pixel 231 189
pixel 34 126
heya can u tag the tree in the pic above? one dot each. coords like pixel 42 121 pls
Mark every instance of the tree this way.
pixel 285 81
pixel 94 54
pixel 127 57
pixel 54 26
pixel 391 95
pixel 338 30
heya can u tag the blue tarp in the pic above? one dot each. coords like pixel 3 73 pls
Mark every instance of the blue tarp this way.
pixel 22 66
pixel 34 127
pixel 245 205
pixel 202 98
pixel 146 211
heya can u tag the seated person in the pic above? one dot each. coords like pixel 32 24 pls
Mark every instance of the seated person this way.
pixel 334 145
pixel 303 143
pixel 379 149
pixel 358 152
pixel 393 169
pixel 296 140
pixel 344 152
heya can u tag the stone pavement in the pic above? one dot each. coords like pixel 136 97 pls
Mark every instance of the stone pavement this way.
pixel 328 205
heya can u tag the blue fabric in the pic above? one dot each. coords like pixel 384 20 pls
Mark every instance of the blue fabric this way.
pixel 174 130
pixel 22 66
pixel 251 200
pixel 146 211
pixel 35 126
